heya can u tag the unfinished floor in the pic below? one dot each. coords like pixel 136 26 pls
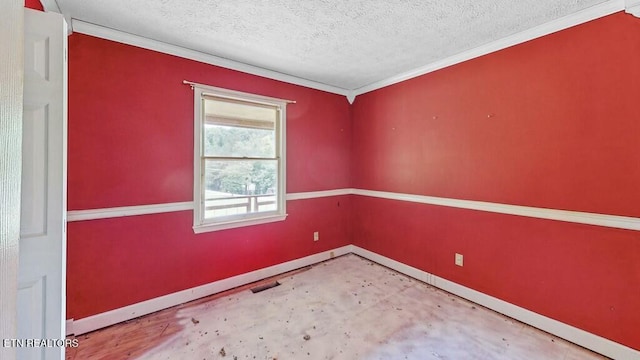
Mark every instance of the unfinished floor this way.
pixel 345 308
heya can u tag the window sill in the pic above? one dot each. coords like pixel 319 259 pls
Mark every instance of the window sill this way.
pixel 198 229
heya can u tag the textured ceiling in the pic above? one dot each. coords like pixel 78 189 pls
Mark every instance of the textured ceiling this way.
pixel 343 43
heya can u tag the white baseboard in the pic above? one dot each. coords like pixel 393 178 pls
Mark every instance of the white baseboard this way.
pixel 68 327
pixel 577 336
pixel 95 322
pixel 580 337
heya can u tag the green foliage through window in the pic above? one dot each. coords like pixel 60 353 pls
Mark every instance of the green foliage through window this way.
pixel 240 177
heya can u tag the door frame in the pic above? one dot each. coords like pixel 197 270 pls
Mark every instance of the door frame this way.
pixel 11 73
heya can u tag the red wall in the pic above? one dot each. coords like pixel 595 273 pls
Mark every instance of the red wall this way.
pixel 549 123
pixel 131 143
pixel 33 4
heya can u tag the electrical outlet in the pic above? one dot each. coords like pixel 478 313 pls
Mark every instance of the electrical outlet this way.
pixel 459 259
pixel 316 235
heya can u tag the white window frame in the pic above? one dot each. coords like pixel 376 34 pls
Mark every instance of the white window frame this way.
pixel 201 225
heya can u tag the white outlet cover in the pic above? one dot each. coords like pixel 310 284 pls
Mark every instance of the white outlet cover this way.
pixel 316 236
pixel 459 259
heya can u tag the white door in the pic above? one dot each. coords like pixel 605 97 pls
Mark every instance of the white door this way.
pixel 42 266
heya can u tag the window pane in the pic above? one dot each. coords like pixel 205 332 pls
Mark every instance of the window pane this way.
pixel 232 141
pixel 236 187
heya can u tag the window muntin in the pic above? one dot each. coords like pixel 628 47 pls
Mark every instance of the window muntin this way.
pixel 240 165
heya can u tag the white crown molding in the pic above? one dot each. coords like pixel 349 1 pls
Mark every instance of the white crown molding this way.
pixel 594 12
pixel 95 322
pixel 565 22
pixel 155 45
pixel 50 6
pixel 351 96
pixel 632 7
pixel 585 339
pixel 614 221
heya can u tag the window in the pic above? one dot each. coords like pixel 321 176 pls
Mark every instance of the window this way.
pixel 239 163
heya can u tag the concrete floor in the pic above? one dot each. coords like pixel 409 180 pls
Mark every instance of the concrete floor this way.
pixel 345 308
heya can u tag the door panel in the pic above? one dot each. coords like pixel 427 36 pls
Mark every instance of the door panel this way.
pixel 34 171
pixel 31 308
pixel 42 266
